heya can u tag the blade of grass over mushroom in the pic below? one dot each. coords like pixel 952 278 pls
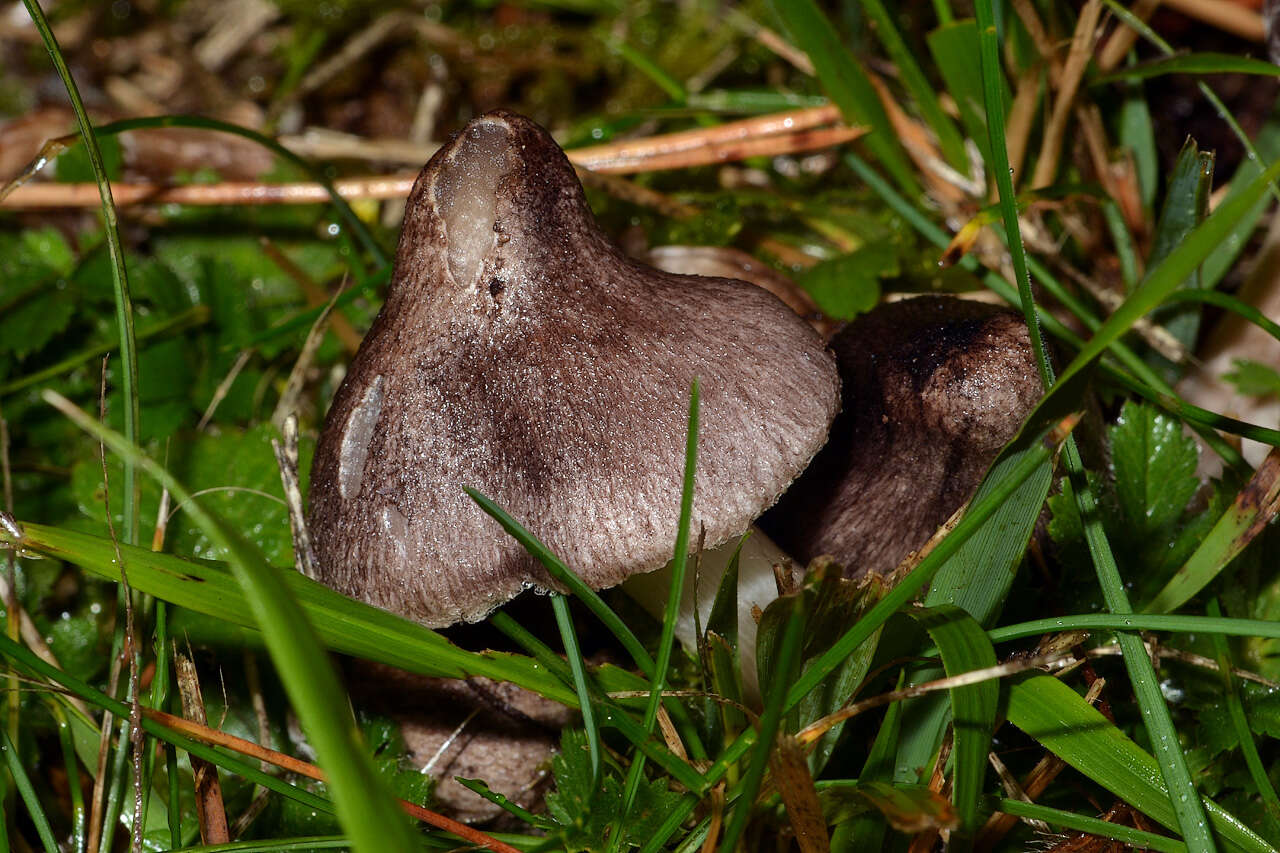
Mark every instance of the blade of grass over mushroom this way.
pixel 1253 508
pixel 964 646
pixel 666 642
pixel 846 83
pixel 1239 722
pixel 1190 63
pixel 345 625
pixel 611 714
pixel 1134 838
pixel 921 90
pixel 21 781
pixel 364 807
pixel 1042 448
pixel 573 653
pixel 786 660
pixel 564 575
pixel 1072 729
pixel 119 275
pixel 29 662
pixel 993 99
pixel 977 579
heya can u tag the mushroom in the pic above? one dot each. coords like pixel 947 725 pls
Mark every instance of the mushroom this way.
pixel 728 262
pixel 933 388
pixel 474 729
pixel 521 353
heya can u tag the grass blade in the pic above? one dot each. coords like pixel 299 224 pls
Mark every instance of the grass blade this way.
pixel 921 90
pixel 1248 515
pixel 1134 838
pixel 1235 707
pixel 35 666
pixel 679 563
pixel 28 793
pixel 964 646
pixel 119 275
pixel 787 658
pixel 846 84
pixel 345 625
pixel 1075 731
pixel 1190 63
pixel 364 807
pixel 564 575
pixel 572 651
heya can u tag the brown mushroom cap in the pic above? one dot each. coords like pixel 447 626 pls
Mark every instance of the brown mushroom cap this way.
pixel 933 388
pixel 521 353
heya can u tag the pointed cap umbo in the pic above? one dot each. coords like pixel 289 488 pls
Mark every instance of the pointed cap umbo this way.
pixel 933 388
pixel 521 353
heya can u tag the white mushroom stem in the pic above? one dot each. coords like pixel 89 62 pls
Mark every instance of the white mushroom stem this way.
pixel 757 587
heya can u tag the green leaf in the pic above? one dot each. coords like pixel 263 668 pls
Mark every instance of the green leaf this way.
pixel 1075 731
pixel 1253 378
pixel 955 50
pixel 35 299
pixel 849 285
pixel 235 469
pixel 585 810
pixel 1155 470
pixel 363 804
pixel 964 646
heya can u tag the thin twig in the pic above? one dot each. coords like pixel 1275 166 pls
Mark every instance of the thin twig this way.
pixel 204 734
pixel 789 132
pixel 210 811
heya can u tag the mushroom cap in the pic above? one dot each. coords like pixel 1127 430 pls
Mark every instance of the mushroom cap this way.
pixel 521 353
pixel 933 388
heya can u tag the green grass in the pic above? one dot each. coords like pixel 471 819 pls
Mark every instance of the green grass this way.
pixel 1132 547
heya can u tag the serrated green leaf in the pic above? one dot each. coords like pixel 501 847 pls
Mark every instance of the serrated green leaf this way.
pixel 583 806
pixel 1155 469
